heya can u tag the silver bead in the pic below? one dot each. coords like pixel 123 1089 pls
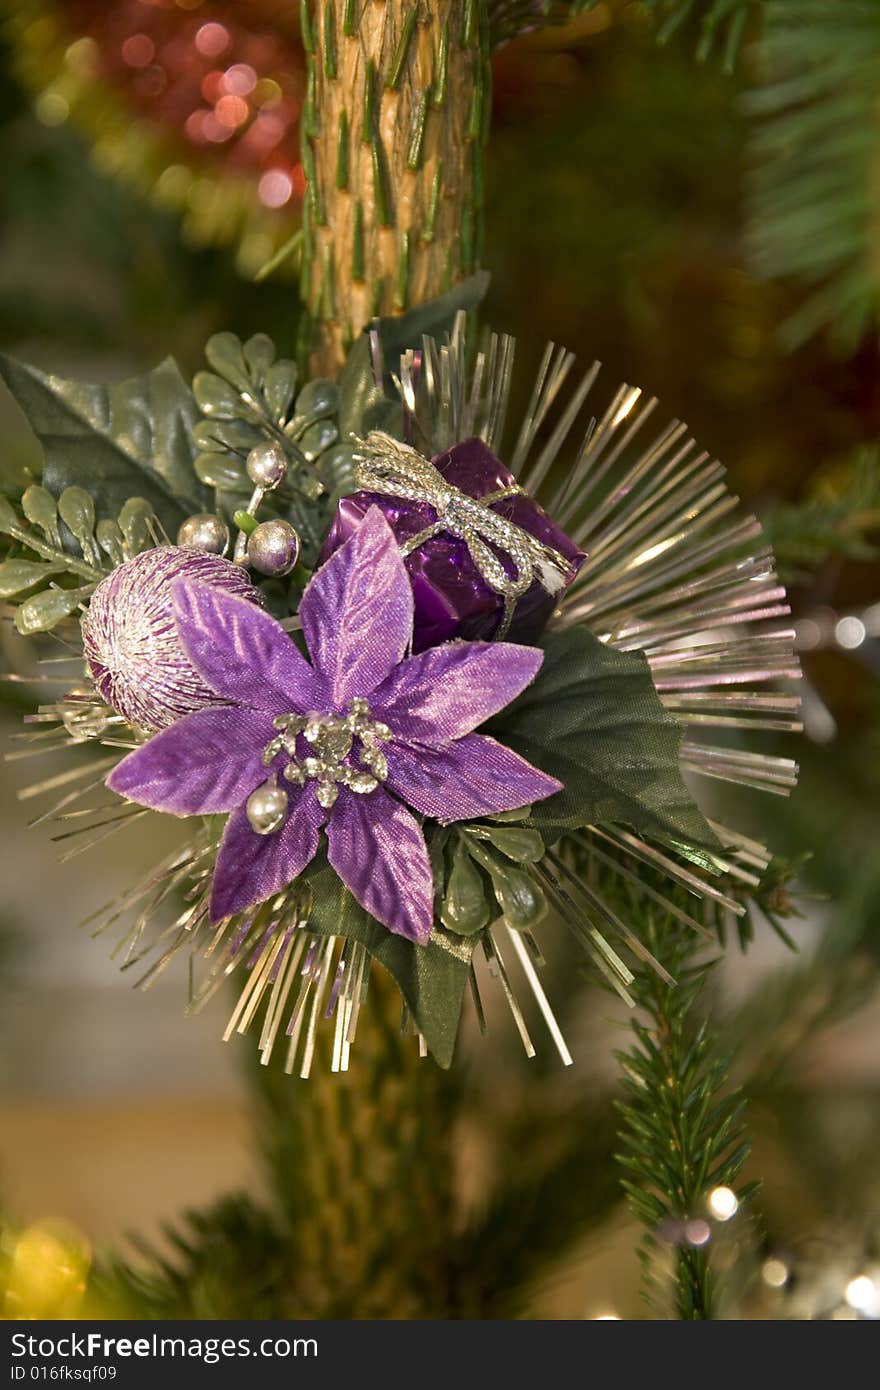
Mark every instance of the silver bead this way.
pixel 204 531
pixel 266 808
pixel 273 548
pixel 266 466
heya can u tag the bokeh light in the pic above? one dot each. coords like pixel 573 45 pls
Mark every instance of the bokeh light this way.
pixel 723 1203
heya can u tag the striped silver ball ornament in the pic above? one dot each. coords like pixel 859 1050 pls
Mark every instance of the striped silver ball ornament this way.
pixel 130 638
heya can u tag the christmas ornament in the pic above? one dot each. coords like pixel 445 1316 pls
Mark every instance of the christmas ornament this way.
pixel 357 616
pixel 131 642
pixel 654 650
pixel 484 560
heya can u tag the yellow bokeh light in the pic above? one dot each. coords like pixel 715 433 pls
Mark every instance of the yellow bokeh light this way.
pixel 47 1271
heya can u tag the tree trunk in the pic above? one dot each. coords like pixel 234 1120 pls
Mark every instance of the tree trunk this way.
pixel 393 124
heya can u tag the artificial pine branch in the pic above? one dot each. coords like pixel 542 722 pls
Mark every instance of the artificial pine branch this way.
pixel 839 517
pixel 816 152
pixel 234 1260
pixel 681 1131
pixel 720 25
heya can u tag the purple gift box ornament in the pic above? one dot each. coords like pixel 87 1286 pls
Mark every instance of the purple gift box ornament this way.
pixel 483 557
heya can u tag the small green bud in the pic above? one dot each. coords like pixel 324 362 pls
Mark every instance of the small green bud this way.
pixel 223 352
pixel 259 354
pixel 18 575
pixel 317 438
pixel 133 519
pixel 317 399
pixel 44 611
pixel 9 522
pixel 40 508
pixel 77 510
pixel 111 540
pixel 216 398
pixel 464 909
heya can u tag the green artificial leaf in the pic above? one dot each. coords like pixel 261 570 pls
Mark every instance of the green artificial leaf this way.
pixel 41 510
pixel 520 898
pixel 431 320
pixel 18 575
pixel 363 404
pixel 134 437
pixel 431 978
pixel 593 719
pixel 366 405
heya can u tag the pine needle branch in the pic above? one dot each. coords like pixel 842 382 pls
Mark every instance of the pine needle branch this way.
pixel 719 25
pixel 839 517
pixel 230 1261
pixel 816 154
pixel 681 1130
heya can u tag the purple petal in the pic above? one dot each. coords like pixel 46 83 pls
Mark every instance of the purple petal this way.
pixel 445 692
pixel 207 762
pixel 379 852
pixel 475 776
pixel 241 651
pixel 251 867
pixel 357 612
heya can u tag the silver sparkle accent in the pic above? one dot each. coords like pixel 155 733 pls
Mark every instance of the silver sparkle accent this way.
pixel 266 808
pixel 331 765
pixel 204 531
pixel 266 466
pixel 273 548
pixel 384 465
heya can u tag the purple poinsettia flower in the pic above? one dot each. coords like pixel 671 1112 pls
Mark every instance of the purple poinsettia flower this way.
pixel 346 743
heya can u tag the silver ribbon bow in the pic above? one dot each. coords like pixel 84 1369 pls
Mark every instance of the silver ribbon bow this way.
pixel 384 465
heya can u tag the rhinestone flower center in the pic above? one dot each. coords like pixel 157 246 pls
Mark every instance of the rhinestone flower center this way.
pixel 345 750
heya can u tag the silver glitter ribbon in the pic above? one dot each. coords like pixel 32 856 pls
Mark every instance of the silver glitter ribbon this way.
pixel 385 465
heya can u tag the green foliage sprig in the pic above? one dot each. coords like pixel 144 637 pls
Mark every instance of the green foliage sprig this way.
pixel 250 396
pixel 720 24
pixel 839 517
pixel 681 1125
pixel 815 149
pixel 47 577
